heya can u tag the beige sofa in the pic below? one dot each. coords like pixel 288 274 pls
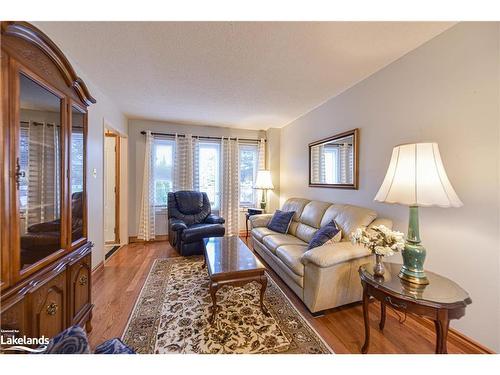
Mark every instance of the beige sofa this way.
pixel 324 277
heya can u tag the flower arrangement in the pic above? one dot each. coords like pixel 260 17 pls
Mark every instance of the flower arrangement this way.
pixel 380 240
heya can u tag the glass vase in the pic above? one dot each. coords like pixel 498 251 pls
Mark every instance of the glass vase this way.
pixel 378 268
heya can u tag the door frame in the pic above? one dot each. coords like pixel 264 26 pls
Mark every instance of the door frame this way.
pixel 111 134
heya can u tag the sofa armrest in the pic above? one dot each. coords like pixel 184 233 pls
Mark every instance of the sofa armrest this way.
pixel 214 219
pixel 177 225
pixel 260 220
pixel 331 254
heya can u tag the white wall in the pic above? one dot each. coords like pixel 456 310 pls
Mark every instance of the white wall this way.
pixel 136 161
pixel 445 91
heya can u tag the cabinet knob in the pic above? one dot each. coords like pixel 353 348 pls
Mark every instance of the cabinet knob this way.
pixel 83 280
pixel 52 308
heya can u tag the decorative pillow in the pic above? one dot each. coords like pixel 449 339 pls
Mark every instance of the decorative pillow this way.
pixel 113 346
pixel 280 222
pixel 72 340
pixel 329 233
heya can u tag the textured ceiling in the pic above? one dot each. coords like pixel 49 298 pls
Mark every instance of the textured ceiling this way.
pixel 251 75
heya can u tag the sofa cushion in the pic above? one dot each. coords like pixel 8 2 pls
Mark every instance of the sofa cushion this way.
pixel 329 232
pixel 273 241
pixel 305 232
pixel 260 232
pixel 290 255
pixel 313 212
pixel 352 217
pixel 281 221
pixel 295 204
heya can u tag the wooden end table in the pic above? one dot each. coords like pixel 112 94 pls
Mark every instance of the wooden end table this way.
pixel 441 300
pixel 230 262
pixel 251 212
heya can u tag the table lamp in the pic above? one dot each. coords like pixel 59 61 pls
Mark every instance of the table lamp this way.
pixel 416 178
pixel 264 183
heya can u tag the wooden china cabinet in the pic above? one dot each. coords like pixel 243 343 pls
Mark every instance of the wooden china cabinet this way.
pixel 45 253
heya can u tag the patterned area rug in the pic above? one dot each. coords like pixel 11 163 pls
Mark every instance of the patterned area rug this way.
pixel 173 310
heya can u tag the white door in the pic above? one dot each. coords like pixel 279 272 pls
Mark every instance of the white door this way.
pixel 109 189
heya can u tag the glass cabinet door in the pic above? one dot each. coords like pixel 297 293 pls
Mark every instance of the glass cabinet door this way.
pixel 77 172
pixel 38 172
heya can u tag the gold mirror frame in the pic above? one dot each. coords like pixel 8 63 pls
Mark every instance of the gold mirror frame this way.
pixel 355 173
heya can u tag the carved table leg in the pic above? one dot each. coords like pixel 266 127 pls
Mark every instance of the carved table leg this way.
pixel 382 316
pixel 213 291
pixel 442 323
pixel 88 323
pixel 366 299
pixel 263 286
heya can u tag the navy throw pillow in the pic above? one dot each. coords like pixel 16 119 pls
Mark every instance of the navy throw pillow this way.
pixel 280 222
pixel 323 235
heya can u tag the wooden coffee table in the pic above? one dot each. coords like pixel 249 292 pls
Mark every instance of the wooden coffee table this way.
pixel 230 262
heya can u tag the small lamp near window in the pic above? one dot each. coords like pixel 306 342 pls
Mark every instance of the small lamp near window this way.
pixel 264 183
pixel 416 178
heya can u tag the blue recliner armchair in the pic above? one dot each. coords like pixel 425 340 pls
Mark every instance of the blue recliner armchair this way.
pixel 190 220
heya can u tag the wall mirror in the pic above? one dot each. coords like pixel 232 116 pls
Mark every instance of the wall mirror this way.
pixel 333 161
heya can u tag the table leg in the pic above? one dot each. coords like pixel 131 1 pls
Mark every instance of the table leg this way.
pixel 263 286
pixel 366 299
pixel 213 291
pixel 442 324
pixel 382 315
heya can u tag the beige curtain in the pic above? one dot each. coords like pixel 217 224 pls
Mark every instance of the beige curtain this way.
pixel 230 189
pixel 146 230
pixel 184 163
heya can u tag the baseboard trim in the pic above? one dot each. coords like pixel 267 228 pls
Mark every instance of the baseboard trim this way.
pixel 159 238
pixel 460 340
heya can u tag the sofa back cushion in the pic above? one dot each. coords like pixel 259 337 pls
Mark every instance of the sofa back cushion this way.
pixel 295 204
pixel 352 217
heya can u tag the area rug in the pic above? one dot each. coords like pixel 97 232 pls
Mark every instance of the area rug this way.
pixel 172 315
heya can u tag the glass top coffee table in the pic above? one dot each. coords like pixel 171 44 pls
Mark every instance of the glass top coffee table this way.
pixel 441 300
pixel 230 262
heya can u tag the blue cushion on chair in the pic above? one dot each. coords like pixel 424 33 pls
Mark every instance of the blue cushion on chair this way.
pixel 113 346
pixel 72 340
pixel 280 222
pixel 323 235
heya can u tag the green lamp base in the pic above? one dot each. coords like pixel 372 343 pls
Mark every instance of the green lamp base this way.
pixel 414 253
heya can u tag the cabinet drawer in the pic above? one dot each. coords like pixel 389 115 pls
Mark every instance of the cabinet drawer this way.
pixel 79 284
pixel 47 312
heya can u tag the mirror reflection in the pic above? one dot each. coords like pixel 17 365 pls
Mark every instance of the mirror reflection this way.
pixel 77 165
pixel 332 162
pixel 38 172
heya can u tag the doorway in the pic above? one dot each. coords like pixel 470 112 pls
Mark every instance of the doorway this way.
pixel 111 190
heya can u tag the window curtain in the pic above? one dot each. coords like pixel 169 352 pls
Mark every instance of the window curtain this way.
pixel 183 163
pixel 318 173
pixel 230 181
pixel 346 163
pixel 43 172
pixel 261 164
pixel 147 212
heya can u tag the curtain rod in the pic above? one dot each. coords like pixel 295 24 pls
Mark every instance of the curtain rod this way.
pixel 203 136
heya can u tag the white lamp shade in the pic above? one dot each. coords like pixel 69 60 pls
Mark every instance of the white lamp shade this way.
pixel 416 177
pixel 264 181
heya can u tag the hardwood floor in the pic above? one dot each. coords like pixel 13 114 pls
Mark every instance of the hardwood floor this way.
pixel 117 284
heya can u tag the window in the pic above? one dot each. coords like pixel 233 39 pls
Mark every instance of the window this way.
pixel 163 153
pixel 331 165
pixel 248 172
pixel 209 171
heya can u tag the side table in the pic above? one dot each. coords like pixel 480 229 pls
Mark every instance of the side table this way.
pixel 251 212
pixel 441 300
